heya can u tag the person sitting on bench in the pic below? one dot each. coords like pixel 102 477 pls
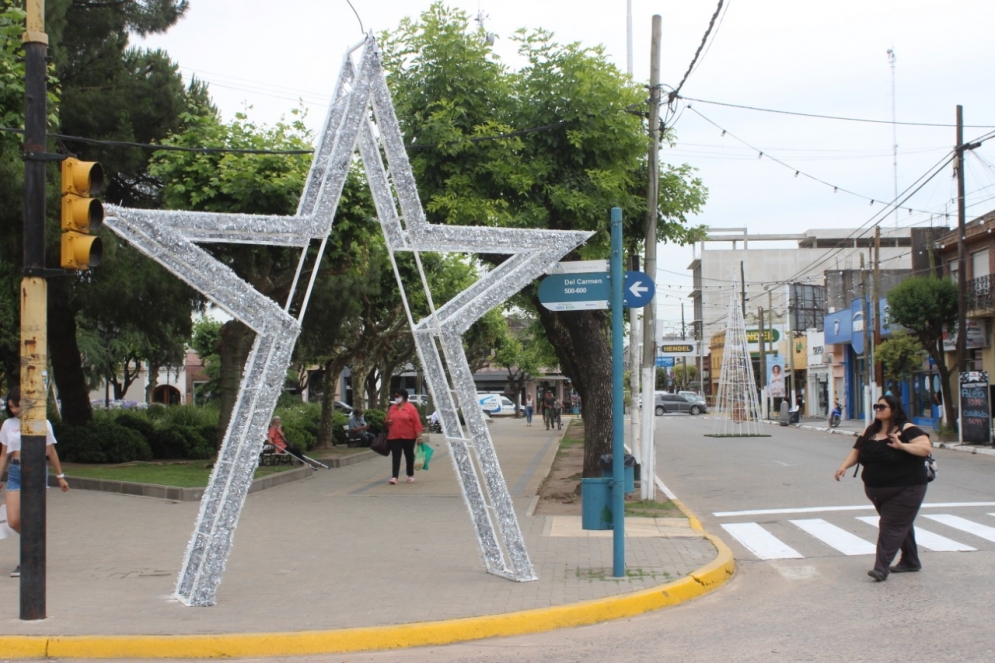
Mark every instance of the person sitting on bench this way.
pixel 359 430
pixel 279 440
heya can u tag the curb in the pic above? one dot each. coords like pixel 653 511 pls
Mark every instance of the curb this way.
pixel 255 645
pixel 174 494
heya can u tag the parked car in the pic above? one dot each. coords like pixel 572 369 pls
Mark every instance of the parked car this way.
pixel 692 397
pixel 339 406
pixel 496 405
pixel 418 399
pixel 677 403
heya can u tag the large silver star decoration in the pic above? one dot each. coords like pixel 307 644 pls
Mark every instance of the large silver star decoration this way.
pixel 171 237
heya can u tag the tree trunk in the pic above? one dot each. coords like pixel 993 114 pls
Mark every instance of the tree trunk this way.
pixel 332 369
pixel 233 351
pixel 582 347
pixel 64 354
pixel 935 350
pixel 153 382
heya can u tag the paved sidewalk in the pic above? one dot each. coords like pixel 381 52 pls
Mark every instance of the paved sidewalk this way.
pixel 344 550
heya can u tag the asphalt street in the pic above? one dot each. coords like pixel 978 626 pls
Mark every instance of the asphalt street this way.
pixel 815 606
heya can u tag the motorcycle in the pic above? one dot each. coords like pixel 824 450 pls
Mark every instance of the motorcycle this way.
pixel 835 415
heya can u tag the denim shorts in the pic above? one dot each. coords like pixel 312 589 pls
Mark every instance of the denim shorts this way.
pixel 14 477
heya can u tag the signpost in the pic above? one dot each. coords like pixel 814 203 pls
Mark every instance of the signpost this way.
pixel 579 267
pixel 568 289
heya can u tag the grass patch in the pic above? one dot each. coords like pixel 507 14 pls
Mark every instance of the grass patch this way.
pixel 602 574
pixel 652 509
pixel 177 474
pixel 574 434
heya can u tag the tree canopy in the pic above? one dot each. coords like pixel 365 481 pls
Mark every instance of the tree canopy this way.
pixel 927 306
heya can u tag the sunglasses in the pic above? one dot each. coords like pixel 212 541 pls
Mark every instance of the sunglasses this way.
pixel 878 407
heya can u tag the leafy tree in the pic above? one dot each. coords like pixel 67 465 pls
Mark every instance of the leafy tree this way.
pixel 584 153
pixel 925 306
pixel 238 183
pixel 684 375
pixel 901 355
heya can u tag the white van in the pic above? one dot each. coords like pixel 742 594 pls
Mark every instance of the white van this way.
pixel 496 405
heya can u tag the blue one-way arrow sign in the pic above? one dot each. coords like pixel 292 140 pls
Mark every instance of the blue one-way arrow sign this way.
pixel 638 289
pixel 575 292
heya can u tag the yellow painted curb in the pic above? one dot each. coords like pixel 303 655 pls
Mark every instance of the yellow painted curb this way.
pixel 255 645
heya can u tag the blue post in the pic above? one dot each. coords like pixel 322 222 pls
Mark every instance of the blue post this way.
pixel 618 429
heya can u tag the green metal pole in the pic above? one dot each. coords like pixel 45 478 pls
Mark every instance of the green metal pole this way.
pixel 618 424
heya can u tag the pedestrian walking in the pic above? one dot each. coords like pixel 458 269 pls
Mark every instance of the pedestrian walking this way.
pixel 529 409
pixel 10 460
pixel 403 430
pixel 893 453
pixel 548 404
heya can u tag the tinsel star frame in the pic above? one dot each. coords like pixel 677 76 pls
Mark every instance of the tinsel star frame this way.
pixel 170 238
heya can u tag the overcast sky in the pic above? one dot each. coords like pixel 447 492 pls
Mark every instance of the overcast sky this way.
pixel 825 58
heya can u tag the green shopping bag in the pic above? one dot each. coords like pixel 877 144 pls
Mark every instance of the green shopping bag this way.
pixel 423 454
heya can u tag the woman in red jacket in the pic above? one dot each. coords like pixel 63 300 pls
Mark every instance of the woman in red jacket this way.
pixel 403 430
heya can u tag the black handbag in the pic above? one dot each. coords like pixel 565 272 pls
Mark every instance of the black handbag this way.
pixel 380 444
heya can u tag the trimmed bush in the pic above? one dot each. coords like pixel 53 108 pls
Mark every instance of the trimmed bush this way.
pixel 102 442
pixel 375 418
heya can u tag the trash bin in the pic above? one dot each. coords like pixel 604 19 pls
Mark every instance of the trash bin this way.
pixel 595 502
pixel 784 416
pixel 794 416
pixel 628 474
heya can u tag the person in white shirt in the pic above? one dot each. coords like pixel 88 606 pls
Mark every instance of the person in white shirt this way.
pixel 10 459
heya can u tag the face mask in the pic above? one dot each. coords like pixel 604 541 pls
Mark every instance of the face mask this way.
pixel 398 400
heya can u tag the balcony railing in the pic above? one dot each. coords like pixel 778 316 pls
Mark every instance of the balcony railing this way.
pixel 980 293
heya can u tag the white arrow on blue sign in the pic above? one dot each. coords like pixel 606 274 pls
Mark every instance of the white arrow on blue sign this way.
pixel 638 289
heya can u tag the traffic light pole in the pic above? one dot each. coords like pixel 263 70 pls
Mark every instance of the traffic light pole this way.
pixel 34 320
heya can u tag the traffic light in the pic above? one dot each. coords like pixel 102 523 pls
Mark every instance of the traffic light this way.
pixel 81 213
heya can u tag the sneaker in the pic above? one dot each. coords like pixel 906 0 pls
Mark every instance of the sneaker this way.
pixel 411 479
pixel 393 482
pixel 16 573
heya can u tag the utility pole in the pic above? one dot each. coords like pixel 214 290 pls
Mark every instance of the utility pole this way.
pixel 763 357
pixel 894 129
pixel 876 310
pixel 635 328
pixel 684 360
pixel 791 350
pixel 34 319
pixel 867 342
pixel 742 292
pixel 647 487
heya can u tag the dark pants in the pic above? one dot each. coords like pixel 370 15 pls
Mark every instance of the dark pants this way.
pixel 396 446
pixel 897 507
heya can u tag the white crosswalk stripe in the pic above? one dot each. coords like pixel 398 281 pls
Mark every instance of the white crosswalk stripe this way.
pixel 760 542
pixel 926 539
pixel 771 540
pixel 965 525
pixel 835 537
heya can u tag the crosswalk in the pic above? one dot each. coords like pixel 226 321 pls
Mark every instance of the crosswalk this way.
pixel 855 535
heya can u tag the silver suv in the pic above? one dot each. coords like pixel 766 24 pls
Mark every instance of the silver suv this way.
pixel 677 403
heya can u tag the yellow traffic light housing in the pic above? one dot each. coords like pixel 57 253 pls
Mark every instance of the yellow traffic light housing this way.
pixel 81 213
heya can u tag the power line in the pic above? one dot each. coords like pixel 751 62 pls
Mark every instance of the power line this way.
pixel 673 95
pixel 833 117
pixel 761 154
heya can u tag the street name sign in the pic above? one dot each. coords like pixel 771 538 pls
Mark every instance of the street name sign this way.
pixel 586 291
pixel 580 267
pixel 665 362
pixel 638 289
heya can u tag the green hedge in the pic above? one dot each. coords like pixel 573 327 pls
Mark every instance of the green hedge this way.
pixel 101 442
pixel 180 432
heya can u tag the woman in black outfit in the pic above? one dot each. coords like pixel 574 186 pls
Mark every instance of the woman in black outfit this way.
pixel 893 453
